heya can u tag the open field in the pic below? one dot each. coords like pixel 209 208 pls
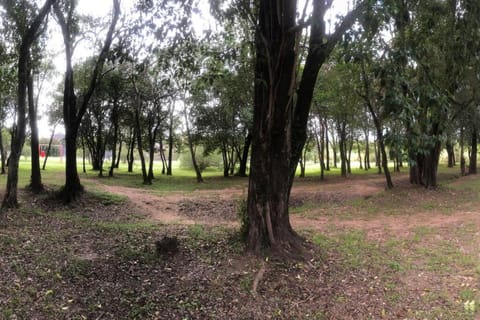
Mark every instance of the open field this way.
pixel 408 253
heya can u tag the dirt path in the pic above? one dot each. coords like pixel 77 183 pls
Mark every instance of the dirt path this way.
pixel 218 207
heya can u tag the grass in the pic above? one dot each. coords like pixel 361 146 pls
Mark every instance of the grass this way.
pixel 432 273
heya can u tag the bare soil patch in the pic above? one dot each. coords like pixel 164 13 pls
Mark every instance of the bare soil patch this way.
pixel 98 260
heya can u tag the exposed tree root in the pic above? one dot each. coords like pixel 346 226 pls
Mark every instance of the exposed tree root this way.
pixel 258 278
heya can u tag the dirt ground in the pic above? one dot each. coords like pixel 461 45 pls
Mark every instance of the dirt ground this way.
pixel 409 253
pixel 218 207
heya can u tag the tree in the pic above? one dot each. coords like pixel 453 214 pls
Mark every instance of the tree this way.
pixel 280 120
pixel 29 36
pixel 74 106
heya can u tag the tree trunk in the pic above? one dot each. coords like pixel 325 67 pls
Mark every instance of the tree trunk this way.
pixel 170 141
pixel 140 147
pixel 98 164
pixel 359 151
pixel 451 154
pixel 50 141
pixel 225 160
pixel 117 163
pixel 192 150
pixel 279 126
pixel 349 156
pixel 131 147
pixel 242 170
pixel 114 117
pixel 430 166
pixel 342 145
pixel 327 147
pixel 462 151
pixel 36 185
pixel 10 199
pixel 72 188
pixel 2 151
pixel 84 167
pixel 72 112
pixel 163 158
pixel 320 146
pixel 367 151
pixel 152 136
pixel 472 165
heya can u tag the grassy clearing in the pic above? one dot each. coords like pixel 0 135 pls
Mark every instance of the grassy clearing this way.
pixel 98 260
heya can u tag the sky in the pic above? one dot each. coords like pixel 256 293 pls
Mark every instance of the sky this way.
pixel 102 8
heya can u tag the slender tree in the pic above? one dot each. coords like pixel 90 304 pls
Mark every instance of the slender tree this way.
pixel 28 38
pixel 73 107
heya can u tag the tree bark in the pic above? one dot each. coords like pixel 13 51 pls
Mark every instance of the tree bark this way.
pixel 192 150
pixel 140 147
pixel 10 200
pixel 36 185
pixel 84 167
pixel 72 112
pixel 451 154
pixel 359 154
pixel 430 166
pixel 117 163
pixel 2 151
pixel 327 147
pixel 367 151
pixel 50 141
pixel 131 147
pixel 242 170
pixel 472 165
pixel 342 145
pixel 114 117
pixel 280 120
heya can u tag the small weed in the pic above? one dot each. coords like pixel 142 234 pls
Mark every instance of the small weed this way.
pixel 467 294
pixel 246 282
pixel 198 232
pixel 145 256
pixel 78 268
pixel 108 198
pixel 421 232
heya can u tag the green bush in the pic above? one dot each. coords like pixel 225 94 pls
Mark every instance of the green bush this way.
pixel 203 161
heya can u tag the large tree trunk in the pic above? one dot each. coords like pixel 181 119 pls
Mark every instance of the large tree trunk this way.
pixel 430 166
pixel 10 200
pixel 279 126
pixel 72 188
